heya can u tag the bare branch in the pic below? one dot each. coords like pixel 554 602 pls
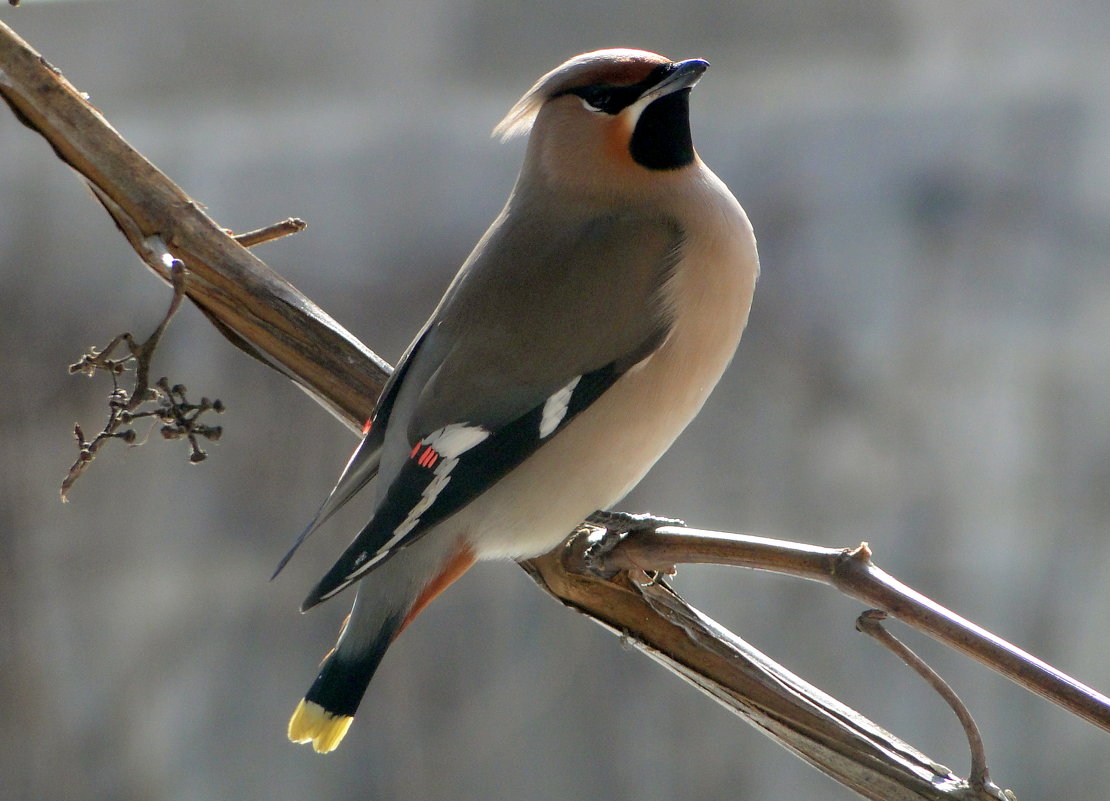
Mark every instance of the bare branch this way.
pixel 254 307
pixel 852 572
pixel 829 735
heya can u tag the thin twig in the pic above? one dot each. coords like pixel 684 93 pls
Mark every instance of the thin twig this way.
pixel 870 623
pixel 292 225
pixel 144 352
pixel 179 417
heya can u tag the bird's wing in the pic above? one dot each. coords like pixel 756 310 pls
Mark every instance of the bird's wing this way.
pixel 364 462
pixel 511 356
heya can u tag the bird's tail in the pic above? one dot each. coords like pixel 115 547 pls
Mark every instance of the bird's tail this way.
pixel 387 602
pixel 328 708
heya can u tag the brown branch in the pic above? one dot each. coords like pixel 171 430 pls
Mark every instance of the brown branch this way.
pixel 852 572
pixel 257 309
pixel 871 624
pixel 262 313
pixel 829 735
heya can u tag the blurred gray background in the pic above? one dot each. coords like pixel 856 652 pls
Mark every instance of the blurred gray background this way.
pixel 926 368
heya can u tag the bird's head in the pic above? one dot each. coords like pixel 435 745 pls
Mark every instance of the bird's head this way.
pixel 607 118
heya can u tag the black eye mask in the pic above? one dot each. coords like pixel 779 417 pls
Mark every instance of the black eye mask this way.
pixel 613 99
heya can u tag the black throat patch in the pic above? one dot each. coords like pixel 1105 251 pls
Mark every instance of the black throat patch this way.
pixel 661 140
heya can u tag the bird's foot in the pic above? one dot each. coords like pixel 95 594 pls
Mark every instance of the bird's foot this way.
pixel 626 522
pixel 617 525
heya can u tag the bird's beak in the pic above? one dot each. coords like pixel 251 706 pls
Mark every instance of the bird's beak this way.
pixel 680 75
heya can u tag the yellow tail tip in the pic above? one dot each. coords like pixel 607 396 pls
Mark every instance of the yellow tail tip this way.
pixel 311 723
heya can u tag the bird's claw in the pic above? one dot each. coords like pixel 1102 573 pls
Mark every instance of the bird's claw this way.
pixel 617 526
pixel 626 522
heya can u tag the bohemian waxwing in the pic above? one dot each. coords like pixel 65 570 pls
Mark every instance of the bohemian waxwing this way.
pixel 579 338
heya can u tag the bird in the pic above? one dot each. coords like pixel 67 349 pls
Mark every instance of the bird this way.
pixel 580 336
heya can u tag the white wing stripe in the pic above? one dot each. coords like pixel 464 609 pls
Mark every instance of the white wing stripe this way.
pixel 441 477
pixel 555 408
pixel 456 439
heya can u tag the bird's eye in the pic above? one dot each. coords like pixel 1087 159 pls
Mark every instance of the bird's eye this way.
pixel 606 98
pixel 597 99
